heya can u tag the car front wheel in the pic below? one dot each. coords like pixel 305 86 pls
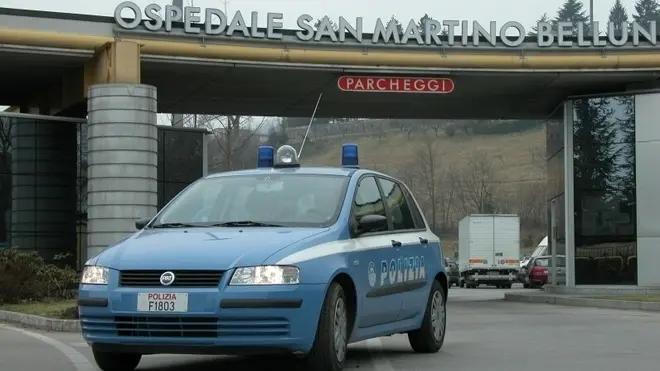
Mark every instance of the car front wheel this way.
pixel 331 343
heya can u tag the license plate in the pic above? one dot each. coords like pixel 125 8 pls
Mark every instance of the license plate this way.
pixel 174 302
pixel 493 273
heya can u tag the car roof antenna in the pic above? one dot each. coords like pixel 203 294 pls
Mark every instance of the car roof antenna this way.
pixel 311 120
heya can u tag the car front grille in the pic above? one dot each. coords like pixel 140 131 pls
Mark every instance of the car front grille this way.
pixel 187 327
pixel 182 278
pixel 197 326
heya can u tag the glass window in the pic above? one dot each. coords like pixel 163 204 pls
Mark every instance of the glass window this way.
pixel 398 205
pixel 416 214
pixel 605 191
pixel 544 262
pixel 180 160
pixel 547 262
pixel 367 199
pixel 294 200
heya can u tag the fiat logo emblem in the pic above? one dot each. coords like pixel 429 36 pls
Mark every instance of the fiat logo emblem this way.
pixel 167 278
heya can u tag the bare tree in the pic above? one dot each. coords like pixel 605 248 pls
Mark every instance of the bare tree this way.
pixel 433 184
pixel 233 135
pixel 235 138
pixel 532 206
pixel 475 184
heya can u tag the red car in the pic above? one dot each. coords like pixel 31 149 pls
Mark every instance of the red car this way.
pixel 539 270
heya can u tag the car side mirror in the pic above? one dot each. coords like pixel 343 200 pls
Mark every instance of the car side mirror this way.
pixel 372 223
pixel 141 223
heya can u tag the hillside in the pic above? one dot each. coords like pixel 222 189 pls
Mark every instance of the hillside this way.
pixel 472 173
pixel 516 156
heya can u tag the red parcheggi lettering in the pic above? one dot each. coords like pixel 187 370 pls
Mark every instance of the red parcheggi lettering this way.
pixel 161 296
pixel 396 84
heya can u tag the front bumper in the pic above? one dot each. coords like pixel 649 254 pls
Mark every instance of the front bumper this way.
pixel 492 277
pixel 220 320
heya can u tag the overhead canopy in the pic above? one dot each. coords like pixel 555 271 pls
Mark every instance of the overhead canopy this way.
pixel 291 91
pixel 208 87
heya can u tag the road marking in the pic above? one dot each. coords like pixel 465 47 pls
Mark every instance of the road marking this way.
pixel 79 361
pixel 82 344
pixel 377 358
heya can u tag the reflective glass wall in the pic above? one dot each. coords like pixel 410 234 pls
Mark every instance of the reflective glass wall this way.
pixel 40 189
pixel 180 160
pixel 604 191
pixel 555 195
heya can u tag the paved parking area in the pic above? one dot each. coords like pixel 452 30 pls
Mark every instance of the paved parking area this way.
pixel 484 333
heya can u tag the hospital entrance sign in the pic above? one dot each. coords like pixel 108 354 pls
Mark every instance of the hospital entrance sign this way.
pixel 209 22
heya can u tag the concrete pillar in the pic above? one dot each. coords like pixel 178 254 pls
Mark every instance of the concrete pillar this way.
pixel 123 161
pixel 43 162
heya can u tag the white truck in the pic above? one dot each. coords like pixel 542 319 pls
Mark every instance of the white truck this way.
pixel 489 250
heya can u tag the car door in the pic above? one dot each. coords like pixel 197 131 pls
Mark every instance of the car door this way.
pixel 413 254
pixel 371 258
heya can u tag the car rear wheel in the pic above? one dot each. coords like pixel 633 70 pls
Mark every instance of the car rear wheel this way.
pixel 111 361
pixel 331 343
pixel 430 337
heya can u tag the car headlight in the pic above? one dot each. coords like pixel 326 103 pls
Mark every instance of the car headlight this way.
pixel 266 275
pixel 94 275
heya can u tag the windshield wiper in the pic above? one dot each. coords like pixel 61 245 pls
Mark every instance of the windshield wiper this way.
pixel 244 223
pixel 174 225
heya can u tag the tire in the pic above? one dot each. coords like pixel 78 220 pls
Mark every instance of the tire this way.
pixel 507 286
pixel 430 337
pixel 462 284
pixel 525 285
pixel 323 356
pixel 110 361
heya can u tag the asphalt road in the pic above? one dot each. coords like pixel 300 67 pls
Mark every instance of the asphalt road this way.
pixel 484 333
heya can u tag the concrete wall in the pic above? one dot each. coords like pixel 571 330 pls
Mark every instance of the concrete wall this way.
pixel 123 159
pixel 647 138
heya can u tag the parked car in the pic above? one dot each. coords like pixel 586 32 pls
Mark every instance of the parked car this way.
pixel 539 271
pixel 453 276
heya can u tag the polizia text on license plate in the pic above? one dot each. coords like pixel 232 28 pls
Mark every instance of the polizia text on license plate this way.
pixel 162 302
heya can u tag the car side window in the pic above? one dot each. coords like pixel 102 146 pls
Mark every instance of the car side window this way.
pixel 396 201
pixel 416 214
pixel 367 199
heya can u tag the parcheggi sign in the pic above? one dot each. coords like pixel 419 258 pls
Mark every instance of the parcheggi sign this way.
pixel 214 22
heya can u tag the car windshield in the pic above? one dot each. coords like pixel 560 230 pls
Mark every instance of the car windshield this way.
pixel 289 200
pixel 547 262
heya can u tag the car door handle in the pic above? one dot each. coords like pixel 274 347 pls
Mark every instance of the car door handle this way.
pixel 396 243
pixel 423 240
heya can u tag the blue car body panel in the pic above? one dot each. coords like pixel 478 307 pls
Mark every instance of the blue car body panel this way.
pixel 389 286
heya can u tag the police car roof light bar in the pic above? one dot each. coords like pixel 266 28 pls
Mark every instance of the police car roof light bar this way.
pixel 286 157
pixel 349 155
pixel 265 156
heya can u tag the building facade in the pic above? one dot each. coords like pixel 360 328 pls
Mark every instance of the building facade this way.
pixel 602 189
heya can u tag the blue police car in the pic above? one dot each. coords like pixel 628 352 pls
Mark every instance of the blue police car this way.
pixel 279 259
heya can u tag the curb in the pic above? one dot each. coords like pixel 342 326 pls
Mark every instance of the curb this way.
pixel 40 323
pixel 577 301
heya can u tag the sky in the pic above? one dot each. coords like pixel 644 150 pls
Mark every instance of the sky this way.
pixel 525 11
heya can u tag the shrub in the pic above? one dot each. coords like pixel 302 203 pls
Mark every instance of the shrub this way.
pixel 25 276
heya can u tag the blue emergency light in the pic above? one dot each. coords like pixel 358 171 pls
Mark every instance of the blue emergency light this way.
pixel 349 155
pixel 265 156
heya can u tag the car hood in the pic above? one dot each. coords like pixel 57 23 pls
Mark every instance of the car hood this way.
pixel 201 248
